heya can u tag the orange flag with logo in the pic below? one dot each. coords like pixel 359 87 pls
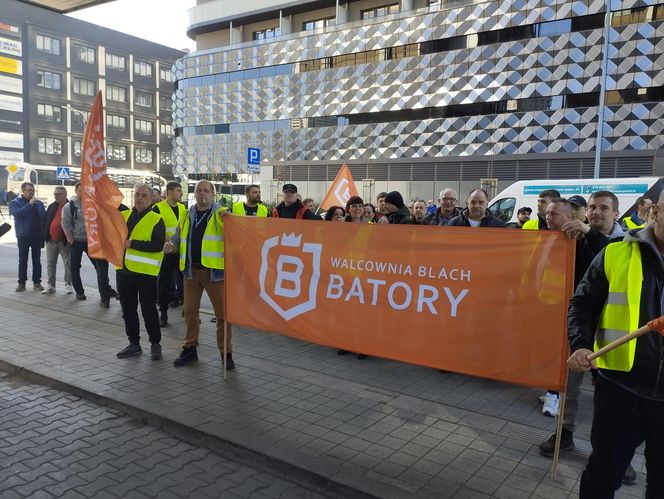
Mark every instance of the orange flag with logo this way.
pixel 341 190
pixel 100 197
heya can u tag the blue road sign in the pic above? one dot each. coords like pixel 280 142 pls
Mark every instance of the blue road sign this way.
pixel 63 173
pixel 254 159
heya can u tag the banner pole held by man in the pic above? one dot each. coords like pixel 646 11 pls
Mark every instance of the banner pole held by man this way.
pixel 100 197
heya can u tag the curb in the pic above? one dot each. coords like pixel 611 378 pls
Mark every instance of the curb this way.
pixel 152 414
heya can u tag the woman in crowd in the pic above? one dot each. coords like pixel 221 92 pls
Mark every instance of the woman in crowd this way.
pixel 355 210
pixel 370 212
pixel 335 214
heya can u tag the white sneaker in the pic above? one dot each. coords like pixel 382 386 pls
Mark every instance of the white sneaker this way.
pixel 550 407
pixel 48 290
pixel 69 289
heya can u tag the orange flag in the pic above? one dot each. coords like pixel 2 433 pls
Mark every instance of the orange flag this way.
pixel 100 198
pixel 340 191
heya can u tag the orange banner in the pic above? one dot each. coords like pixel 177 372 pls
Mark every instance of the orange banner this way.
pixel 485 302
pixel 104 224
pixel 341 190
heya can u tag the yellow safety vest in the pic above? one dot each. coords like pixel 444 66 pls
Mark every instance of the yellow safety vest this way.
pixel 212 247
pixel 531 224
pixel 620 315
pixel 167 214
pixel 143 262
pixel 631 225
pixel 238 209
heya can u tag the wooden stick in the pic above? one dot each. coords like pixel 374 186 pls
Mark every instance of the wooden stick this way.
pixel 653 325
pixel 559 431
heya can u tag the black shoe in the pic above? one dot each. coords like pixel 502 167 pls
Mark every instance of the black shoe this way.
pixel 361 356
pixel 113 294
pixel 342 352
pixel 547 448
pixel 163 320
pixel 81 297
pixel 155 351
pixel 105 303
pixel 187 356
pixel 630 476
pixel 230 365
pixel 131 350
pixel 20 287
pixel 175 304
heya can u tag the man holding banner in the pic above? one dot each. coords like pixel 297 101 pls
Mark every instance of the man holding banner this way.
pixel 621 292
pixel 292 207
pixel 200 237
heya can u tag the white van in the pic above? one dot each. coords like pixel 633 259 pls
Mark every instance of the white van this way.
pixel 525 193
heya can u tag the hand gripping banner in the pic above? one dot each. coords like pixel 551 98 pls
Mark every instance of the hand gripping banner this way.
pixel 485 302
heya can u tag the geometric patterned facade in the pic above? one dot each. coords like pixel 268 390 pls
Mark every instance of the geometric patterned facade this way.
pixel 259 102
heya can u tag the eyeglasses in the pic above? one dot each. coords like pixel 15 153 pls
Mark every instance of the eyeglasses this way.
pixel 449 200
pixel 356 206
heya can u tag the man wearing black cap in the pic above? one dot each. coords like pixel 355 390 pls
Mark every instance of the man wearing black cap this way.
pixel 395 209
pixel 522 216
pixel 292 207
pixel 579 207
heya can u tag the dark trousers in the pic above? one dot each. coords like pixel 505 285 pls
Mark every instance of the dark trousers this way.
pixel 134 289
pixel 169 266
pixel 25 245
pixel 101 268
pixel 621 422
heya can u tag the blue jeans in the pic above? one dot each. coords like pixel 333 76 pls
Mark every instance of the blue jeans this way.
pixel 25 245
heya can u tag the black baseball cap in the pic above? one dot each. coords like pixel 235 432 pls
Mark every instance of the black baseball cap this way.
pixel 578 201
pixel 524 209
pixel 289 188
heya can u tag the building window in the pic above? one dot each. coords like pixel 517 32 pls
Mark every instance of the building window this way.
pixel 143 155
pixel 166 129
pixel 318 23
pixel 115 61
pixel 144 127
pixel 143 99
pixel 383 10
pixel 77 148
pixel 84 87
pixel 165 74
pixel 143 68
pixel 265 34
pixel 117 94
pixel 646 14
pixel 48 112
pixel 48 45
pixel 80 118
pixel 118 153
pixel 49 145
pixel 115 122
pixel 46 79
pixel 84 54
pixel 165 158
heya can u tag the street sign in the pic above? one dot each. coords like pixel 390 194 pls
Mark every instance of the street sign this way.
pixel 253 159
pixel 12 168
pixel 63 173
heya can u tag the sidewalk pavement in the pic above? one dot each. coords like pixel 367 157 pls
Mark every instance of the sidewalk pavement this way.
pixel 350 427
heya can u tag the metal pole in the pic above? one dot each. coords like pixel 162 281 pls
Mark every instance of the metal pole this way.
pixel 602 89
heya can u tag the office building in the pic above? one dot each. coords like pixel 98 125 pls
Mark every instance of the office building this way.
pixel 51 67
pixel 420 94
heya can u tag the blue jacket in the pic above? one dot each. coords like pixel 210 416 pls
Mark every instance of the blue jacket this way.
pixel 28 218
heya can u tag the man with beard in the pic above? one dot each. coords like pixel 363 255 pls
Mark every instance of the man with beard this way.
pixel 252 207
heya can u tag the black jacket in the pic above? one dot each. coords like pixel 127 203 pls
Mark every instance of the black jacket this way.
pixel 400 217
pixel 488 221
pixel 437 218
pixel 646 379
pixel 290 211
pixel 46 230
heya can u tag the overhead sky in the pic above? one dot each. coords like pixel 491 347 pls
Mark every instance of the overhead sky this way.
pixel 160 21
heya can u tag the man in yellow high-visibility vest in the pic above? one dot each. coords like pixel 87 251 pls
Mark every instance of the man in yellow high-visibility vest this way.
pixel 637 220
pixel 621 291
pixel 543 201
pixel 200 239
pixel 252 207
pixel 171 210
pixel 137 278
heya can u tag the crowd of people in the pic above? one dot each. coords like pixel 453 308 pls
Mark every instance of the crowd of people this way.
pixel 619 286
